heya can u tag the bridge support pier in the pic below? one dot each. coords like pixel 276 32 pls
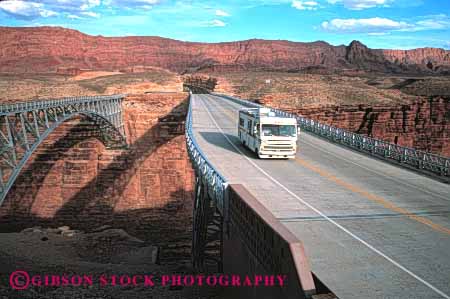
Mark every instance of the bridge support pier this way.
pixel 207 239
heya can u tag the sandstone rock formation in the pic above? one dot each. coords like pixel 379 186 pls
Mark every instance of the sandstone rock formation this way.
pixel 54 49
pixel 434 59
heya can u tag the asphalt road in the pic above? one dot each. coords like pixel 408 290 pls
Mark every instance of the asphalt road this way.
pixel 370 229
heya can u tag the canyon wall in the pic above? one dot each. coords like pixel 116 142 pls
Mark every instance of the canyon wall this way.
pixel 432 58
pixel 147 189
pixel 423 124
pixel 51 49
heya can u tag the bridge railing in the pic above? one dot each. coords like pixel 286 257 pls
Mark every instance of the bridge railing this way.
pixel 204 168
pixel 417 159
pixel 18 107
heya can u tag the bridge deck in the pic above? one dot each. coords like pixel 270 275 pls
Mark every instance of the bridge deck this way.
pixel 370 229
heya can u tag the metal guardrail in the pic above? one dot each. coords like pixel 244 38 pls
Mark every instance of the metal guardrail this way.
pixel 18 107
pixel 405 156
pixel 210 209
pixel 203 167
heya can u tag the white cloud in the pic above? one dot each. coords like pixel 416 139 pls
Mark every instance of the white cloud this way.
pixel 31 9
pixel 132 3
pixel 304 5
pixel 378 33
pixel 70 16
pixel 25 9
pixel 88 4
pixel 380 26
pixel 364 25
pixel 361 4
pixel 47 13
pixel 71 5
pixel 221 13
pixel 46 8
pixel 216 23
pixel 432 22
pixel 213 23
pixel 91 14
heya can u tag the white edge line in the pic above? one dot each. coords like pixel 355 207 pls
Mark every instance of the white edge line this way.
pixel 398 265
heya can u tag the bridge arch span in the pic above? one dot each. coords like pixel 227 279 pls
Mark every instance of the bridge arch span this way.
pixel 24 126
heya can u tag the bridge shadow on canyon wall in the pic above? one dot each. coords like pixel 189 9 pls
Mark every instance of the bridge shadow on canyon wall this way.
pixel 73 180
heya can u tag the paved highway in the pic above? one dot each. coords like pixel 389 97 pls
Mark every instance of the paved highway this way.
pixel 370 229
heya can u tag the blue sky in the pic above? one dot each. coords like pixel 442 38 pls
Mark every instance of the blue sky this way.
pixel 401 24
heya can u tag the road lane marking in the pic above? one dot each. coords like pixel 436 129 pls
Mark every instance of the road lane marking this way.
pixel 360 216
pixel 398 265
pixel 374 171
pixel 372 197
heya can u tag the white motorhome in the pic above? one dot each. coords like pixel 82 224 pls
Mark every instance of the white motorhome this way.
pixel 267 134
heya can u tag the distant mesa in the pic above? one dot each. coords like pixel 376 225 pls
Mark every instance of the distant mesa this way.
pixel 70 52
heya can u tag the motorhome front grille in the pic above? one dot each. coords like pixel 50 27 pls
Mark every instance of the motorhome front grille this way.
pixel 279 142
pixel 278 147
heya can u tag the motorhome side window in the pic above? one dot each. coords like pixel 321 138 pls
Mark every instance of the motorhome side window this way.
pixel 257 129
pixel 249 127
pixel 241 122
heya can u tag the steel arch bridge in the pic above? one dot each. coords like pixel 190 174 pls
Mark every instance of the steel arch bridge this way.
pixel 24 125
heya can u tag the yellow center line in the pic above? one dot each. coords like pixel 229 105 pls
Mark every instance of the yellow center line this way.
pixel 367 195
pixel 372 197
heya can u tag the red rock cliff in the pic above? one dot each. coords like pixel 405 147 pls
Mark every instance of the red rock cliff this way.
pixel 432 58
pixel 45 49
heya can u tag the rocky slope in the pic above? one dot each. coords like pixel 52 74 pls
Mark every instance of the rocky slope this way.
pixel 55 253
pixel 51 49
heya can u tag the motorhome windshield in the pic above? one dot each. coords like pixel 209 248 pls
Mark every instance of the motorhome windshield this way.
pixel 278 130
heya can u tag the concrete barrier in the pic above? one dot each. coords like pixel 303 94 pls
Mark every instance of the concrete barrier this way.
pixel 256 243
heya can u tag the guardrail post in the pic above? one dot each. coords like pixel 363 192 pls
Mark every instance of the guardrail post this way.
pixel 403 156
pixel 422 162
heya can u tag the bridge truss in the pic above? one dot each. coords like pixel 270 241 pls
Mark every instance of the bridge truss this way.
pixel 24 125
